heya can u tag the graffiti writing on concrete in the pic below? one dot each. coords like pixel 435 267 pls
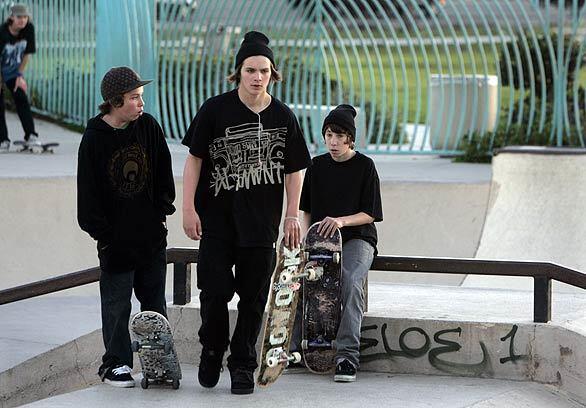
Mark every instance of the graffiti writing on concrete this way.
pixel 512 357
pixel 444 346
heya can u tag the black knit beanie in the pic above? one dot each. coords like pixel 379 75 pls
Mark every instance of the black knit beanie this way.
pixel 343 116
pixel 254 43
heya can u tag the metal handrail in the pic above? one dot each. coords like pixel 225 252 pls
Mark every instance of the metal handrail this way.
pixel 182 258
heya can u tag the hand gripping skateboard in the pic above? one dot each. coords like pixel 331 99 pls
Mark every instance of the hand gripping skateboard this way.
pixel 153 340
pixel 321 299
pixel 35 147
pixel 278 326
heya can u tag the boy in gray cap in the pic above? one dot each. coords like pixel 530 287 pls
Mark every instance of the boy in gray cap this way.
pixel 245 148
pixel 17 43
pixel 125 189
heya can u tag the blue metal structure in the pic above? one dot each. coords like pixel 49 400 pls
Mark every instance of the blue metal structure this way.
pixel 425 75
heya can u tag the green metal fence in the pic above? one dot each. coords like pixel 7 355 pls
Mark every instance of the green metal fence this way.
pixel 427 76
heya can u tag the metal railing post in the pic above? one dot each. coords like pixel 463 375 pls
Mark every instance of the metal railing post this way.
pixel 541 299
pixel 181 283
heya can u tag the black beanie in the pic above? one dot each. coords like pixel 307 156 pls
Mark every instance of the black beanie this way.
pixel 343 116
pixel 254 43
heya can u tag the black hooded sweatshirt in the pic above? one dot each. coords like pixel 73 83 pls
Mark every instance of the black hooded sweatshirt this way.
pixel 125 182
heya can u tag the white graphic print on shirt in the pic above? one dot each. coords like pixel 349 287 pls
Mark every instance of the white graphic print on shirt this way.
pixel 247 156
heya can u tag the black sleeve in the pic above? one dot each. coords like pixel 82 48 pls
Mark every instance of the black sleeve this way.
pixel 165 184
pixel 370 199
pixel 199 133
pixel 305 201
pixel 90 213
pixel 296 153
pixel 31 46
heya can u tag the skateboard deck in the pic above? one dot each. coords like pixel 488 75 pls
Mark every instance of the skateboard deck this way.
pixel 321 299
pixel 35 147
pixel 153 341
pixel 278 327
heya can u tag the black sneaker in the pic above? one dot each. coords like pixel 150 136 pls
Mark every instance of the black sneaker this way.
pixel 242 381
pixel 210 367
pixel 119 376
pixel 345 372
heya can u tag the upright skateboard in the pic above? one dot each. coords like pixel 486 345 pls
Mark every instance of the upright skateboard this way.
pixel 35 147
pixel 153 340
pixel 321 299
pixel 278 326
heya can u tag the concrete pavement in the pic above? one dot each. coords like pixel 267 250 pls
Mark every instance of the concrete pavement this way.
pixel 299 389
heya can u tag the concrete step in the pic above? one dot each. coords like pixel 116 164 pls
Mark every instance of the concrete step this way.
pixel 300 389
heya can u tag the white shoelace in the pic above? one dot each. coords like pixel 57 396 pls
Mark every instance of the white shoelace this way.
pixel 122 370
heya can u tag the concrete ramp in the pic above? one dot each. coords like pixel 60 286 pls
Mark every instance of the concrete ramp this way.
pixel 536 212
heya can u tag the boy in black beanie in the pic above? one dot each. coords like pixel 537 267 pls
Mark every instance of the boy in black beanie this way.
pixel 245 148
pixel 341 190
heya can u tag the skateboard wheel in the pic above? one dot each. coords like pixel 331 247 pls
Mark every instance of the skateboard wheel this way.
pixel 144 383
pixel 311 275
pixel 296 357
pixel 175 384
pixel 135 346
pixel 304 344
pixel 285 277
pixel 306 253
pixel 272 362
pixel 336 257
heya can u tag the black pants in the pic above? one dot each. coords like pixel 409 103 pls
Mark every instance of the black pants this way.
pixel 147 276
pixel 23 109
pixel 253 268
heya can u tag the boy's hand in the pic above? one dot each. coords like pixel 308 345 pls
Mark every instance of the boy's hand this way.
pixel 192 225
pixel 329 225
pixel 20 83
pixel 292 232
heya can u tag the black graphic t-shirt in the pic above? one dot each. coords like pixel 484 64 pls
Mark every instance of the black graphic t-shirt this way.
pixel 245 158
pixel 12 49
pixel 337 189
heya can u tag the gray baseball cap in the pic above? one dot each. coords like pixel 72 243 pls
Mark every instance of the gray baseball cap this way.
pixel 120 80
pixel 20 9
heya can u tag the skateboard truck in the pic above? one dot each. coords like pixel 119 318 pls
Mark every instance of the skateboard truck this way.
pixel 319 343
pixel 311 273
pixel 278 356
pixel 334 257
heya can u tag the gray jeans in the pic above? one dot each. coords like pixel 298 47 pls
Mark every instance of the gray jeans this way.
pixel 357 256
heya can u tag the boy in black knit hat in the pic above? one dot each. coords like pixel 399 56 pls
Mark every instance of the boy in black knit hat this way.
pixel 245 148
pixel 341 190
pixel 125 189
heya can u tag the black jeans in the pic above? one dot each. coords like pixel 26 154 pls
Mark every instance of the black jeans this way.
pixel 23 109
pixel 217 282
pixel 146 274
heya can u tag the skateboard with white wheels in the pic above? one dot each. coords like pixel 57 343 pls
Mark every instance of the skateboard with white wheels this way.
pixel 153 341
pixel 321 299
pixel 278 327
pixel 35 147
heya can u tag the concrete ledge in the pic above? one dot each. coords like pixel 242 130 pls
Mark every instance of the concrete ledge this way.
pixel 545 353
pixel 67 368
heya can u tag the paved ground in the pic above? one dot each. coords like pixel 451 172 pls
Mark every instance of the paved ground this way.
pixel 304 390
pixel 37 325
pixel 63 163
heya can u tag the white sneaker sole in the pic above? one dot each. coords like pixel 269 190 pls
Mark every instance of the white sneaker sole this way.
pixel 120 384
pixel 344 378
